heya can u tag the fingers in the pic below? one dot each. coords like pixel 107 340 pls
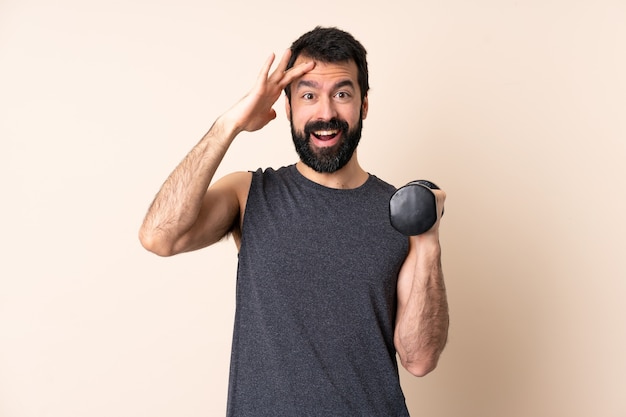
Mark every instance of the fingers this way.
pixel 284 61
pixel 283 76
pixel 440 198
pixel 256 106
pixel 298 71
pixel 265 70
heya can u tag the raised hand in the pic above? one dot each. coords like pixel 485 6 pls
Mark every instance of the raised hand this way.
pixel 184 215
pixel 254 110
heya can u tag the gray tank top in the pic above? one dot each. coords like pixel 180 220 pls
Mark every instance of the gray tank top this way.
pixel 316 301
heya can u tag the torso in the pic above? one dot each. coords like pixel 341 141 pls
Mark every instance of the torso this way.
pixel 316 290
pixel 349 177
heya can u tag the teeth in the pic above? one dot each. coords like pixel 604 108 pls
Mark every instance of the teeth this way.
pixel 326 132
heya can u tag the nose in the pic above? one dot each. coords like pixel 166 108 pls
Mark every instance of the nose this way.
pixel 326 109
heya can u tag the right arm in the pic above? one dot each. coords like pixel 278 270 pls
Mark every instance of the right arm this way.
pixel 186 214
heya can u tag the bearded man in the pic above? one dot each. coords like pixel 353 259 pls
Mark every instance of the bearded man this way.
pixel 328 292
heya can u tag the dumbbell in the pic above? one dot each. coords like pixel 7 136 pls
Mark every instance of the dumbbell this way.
pixel 413 208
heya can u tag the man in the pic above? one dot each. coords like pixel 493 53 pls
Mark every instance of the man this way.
pixel 327 290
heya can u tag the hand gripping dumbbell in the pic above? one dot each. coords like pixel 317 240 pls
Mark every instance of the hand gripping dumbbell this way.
pixel 413 208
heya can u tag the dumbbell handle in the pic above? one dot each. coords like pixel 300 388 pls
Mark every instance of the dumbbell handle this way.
pixel 425 183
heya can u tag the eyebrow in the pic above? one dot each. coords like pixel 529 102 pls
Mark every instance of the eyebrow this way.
pixel 315 84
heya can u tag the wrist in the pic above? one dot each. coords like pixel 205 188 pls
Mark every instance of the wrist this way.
pixel 427 242
pixel 225 128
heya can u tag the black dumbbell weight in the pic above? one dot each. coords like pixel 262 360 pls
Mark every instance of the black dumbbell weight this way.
pixel 413 208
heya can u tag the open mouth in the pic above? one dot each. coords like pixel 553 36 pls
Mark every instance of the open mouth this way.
pixel 325 135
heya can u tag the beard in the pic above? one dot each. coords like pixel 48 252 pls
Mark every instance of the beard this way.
pixel 327 159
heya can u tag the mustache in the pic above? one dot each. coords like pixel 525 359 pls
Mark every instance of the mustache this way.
pixel 332 124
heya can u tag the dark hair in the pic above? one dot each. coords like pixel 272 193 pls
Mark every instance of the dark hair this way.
pixel 331 45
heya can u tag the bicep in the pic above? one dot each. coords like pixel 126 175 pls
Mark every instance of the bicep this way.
pixel 220 212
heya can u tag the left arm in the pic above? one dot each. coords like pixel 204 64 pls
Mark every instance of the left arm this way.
pixel 422 316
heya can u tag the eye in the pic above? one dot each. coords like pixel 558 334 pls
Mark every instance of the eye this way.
pixel 307 96
pixel 343 95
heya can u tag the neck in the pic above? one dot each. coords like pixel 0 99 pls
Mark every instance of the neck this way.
pixel 349 176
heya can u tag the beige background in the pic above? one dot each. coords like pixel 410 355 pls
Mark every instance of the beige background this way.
pixel 516 108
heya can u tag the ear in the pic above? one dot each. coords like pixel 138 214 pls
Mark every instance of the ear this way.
pixel 287 108
pixel 364 107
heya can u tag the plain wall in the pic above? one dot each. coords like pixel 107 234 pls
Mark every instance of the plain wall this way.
pixel 516 108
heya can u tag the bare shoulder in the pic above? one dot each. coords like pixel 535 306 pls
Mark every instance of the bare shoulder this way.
pixel 237 183
pixel 233 188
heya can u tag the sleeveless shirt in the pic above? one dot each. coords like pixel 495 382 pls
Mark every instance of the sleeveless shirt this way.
pixel 316 301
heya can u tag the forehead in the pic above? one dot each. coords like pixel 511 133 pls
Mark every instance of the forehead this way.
pixel 330 71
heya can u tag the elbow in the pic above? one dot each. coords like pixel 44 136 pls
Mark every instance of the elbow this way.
pixel 418 361
pixel 420 368
pixel 154 244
